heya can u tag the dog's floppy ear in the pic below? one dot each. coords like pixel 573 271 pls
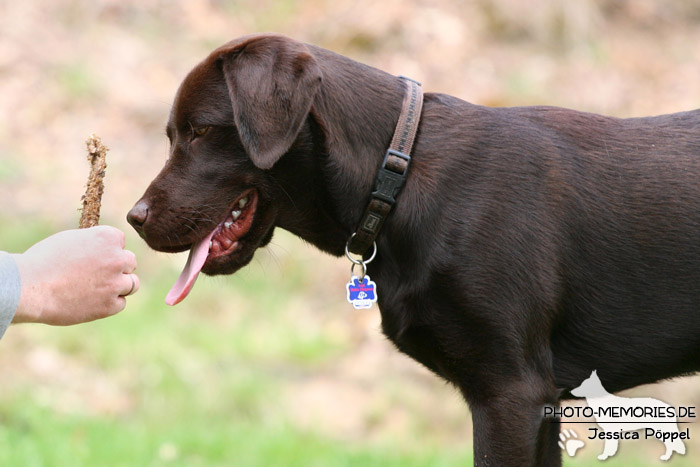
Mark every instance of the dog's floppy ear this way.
pixel 272 81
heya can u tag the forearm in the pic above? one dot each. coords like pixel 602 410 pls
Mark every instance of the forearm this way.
pixel 10 290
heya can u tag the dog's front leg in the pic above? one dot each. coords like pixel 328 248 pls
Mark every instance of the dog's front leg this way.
pixel 510 430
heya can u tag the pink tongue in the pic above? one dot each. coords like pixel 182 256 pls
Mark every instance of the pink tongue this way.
pixel 184 283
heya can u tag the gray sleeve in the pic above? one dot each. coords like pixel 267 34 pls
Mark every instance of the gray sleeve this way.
pixel 10 288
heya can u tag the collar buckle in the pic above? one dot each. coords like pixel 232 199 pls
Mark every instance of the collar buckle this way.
pixel 391 176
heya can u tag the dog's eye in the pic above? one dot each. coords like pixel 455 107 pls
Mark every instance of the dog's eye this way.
pixel 201 131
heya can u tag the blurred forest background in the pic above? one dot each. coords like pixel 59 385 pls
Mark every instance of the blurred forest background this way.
pixel 271 366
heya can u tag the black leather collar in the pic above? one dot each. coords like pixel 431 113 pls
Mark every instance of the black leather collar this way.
pixel 393 172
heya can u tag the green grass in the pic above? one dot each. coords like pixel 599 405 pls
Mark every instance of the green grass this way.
pixel 42 438
pixel 205 383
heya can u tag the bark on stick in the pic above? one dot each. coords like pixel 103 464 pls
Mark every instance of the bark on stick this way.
pixel 92 199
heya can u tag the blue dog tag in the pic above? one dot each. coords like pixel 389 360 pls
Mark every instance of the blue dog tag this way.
pixel 361 293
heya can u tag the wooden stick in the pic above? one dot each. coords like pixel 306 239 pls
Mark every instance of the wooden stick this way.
pixel 92 199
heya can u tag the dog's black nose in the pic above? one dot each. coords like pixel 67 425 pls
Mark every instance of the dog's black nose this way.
pixel 138 215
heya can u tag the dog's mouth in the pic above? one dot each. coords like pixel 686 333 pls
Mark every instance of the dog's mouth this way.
pixel 224 240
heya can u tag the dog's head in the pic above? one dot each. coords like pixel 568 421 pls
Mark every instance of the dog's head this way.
pixel 234 116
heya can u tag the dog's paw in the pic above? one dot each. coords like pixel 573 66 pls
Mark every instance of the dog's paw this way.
pixel 568 441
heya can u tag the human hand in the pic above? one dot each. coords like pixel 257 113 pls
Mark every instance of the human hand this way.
pixel 75 276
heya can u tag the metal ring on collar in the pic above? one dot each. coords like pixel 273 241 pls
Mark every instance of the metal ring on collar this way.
pixel 364 271
pixel 359 261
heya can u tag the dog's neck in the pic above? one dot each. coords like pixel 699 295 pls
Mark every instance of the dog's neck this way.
pixel 340 150
pixel 357 110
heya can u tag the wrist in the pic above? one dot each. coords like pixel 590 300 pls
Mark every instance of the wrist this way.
pixel 10 288
pixel 29 306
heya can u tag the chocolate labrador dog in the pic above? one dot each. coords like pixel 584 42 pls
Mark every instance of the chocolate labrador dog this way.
pixel 528 246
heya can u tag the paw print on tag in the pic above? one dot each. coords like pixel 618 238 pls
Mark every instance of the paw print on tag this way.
pixel 568 441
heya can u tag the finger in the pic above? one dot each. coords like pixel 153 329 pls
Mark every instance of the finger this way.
pixel 121 236
pixel 137 284
pixel 119 305
pixel 129 262
pixel 110 233
pixel 130 284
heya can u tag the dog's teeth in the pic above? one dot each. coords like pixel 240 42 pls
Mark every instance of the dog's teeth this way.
pixel 243 202
pixel 228 224
pixel 211 244
pixel 236 214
